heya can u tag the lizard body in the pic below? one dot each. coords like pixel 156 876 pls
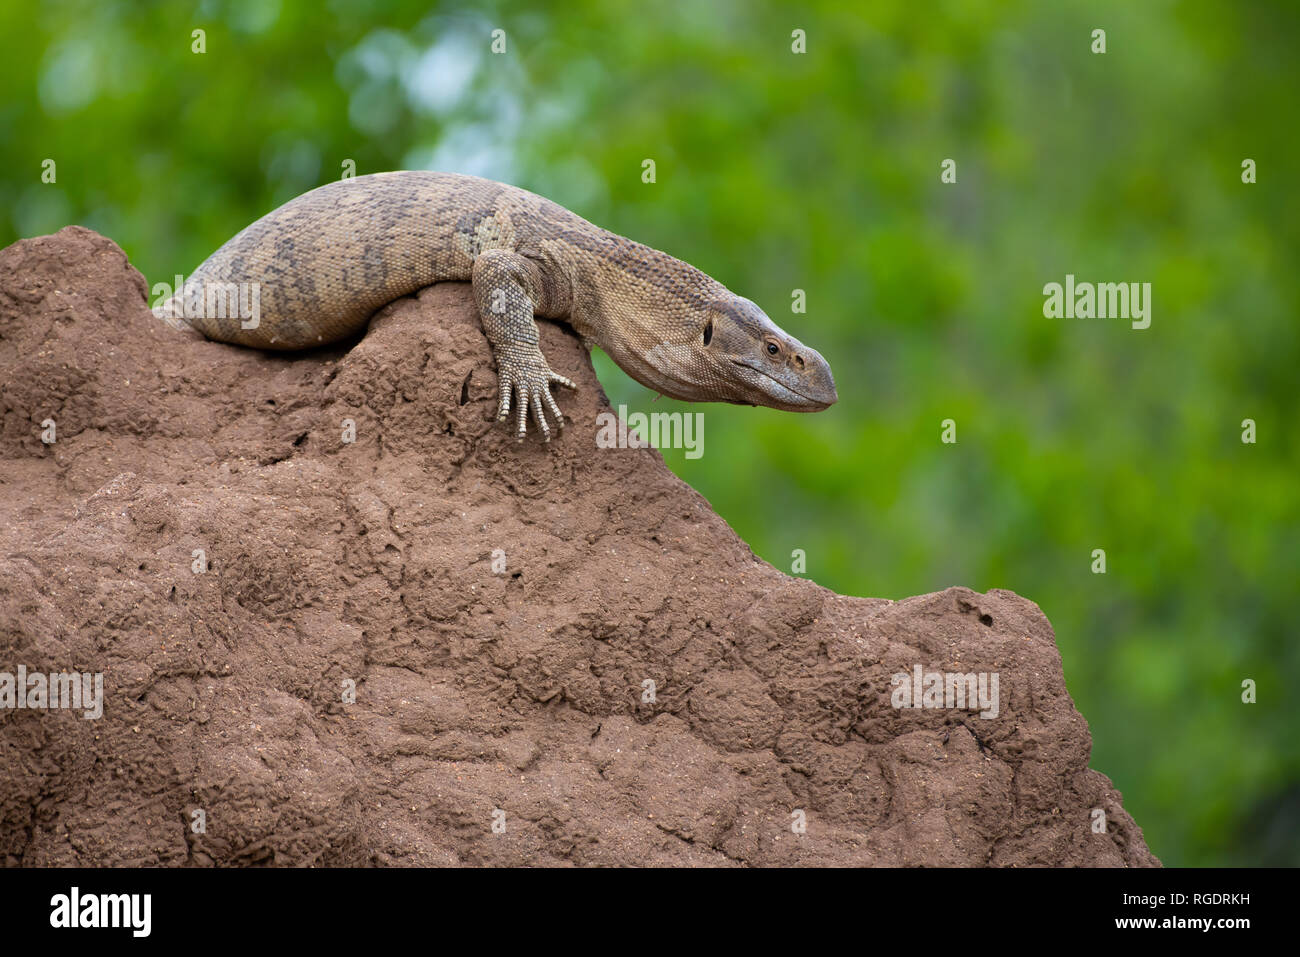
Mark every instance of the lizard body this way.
pixel 323 263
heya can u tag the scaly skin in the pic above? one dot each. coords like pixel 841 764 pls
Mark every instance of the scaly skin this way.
pixel 323 263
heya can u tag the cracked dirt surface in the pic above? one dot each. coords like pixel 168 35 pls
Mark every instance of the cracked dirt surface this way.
pixel 482 695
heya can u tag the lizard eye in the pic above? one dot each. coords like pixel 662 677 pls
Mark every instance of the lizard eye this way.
pixel 772 349
pixel 708 332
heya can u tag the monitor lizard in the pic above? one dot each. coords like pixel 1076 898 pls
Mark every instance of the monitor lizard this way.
pixel 324 262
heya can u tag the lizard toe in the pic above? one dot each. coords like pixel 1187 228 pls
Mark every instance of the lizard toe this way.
pixel 521 413
pixel 503 401
pixel 538 415
pixel 555 409
pixel 556 377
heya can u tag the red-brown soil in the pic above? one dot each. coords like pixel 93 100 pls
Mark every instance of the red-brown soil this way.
pixel 477 691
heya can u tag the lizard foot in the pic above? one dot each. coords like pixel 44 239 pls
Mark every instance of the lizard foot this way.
pixel 530 378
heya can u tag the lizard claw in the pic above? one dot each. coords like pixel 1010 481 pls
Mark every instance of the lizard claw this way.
pixel 528 383
pixel 535 401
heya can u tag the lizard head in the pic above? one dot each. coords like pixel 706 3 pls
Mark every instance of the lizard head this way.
pixel 740 355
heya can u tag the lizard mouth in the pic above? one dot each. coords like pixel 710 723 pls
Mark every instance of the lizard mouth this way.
pixel 786 396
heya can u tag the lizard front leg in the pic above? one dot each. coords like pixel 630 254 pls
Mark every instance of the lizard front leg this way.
pixel 508 288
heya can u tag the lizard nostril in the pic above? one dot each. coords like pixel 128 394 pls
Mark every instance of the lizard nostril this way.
pixel 798 360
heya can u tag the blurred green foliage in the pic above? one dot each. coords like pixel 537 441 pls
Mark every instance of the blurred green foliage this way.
pixel 821 171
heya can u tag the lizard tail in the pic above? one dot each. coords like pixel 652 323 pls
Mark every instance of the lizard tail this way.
pixel 172 313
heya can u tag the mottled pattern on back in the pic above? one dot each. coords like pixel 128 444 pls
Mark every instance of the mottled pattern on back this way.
pixel 325 262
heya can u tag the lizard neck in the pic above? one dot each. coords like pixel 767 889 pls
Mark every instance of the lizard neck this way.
pixel 629 298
